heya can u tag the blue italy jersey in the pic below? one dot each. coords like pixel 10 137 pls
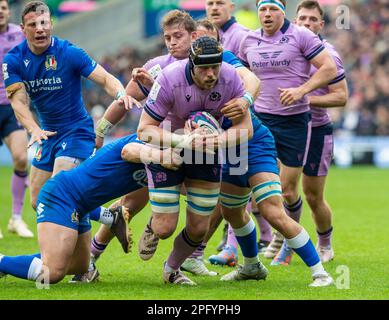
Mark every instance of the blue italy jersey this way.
pixel 231 59
pixel 52 80
pixel 101 178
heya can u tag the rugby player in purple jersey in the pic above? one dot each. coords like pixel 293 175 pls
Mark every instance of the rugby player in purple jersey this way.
pixel 281 55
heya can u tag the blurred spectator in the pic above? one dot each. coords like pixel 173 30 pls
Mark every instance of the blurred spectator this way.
pixel 365 54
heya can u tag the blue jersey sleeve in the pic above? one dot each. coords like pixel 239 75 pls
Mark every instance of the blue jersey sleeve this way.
pixel 80 60
pixel 231 59
pixel 11 70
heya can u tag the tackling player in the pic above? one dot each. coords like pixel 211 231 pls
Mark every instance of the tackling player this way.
pixel 65 200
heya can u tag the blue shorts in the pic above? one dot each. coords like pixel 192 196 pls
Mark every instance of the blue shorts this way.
pixel 76 142
pixel 291 134
pixel 55 206
pixel 159 177
pixel 262 157
pixel 8 122
pixel 320 151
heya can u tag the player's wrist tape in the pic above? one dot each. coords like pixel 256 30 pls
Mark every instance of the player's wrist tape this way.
pixel 120 94
pixel 103 127
pixel 249 98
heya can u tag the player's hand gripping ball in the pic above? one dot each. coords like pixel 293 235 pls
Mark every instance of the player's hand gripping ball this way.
pixel 202 119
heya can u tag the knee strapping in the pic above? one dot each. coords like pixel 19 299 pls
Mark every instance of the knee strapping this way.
pixel 165 200
pixel 266 190
pixel 202 201
pixel 234 201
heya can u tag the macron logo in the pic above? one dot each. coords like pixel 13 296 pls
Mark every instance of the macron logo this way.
pixel 64 144
pixel 26 62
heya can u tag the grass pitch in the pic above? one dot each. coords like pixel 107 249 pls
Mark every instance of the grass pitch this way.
pixel 360 201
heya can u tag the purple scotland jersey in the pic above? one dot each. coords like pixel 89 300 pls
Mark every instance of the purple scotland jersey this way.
pixel 154 67
pixel 320 116
pixel 175 94
pixel 280 61
pixel 9 39
pixel 231 34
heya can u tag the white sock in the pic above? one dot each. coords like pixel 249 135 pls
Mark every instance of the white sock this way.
pixel 35 269
pixel 106 216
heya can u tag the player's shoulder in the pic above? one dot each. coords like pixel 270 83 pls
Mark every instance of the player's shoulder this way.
pixel 300 31
pixel 332 50
pixel 176 67
pixel 163 61
pixel 14 28
pixel 17 52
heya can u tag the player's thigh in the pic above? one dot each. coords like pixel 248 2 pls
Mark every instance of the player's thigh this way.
pixel 65 164
pixel 57 244
pixel 38 178
pixel 202 197
pixel 16 142
pixel 81 255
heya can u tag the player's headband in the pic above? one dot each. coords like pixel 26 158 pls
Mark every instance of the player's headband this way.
pixel 276 3
pixel 206 59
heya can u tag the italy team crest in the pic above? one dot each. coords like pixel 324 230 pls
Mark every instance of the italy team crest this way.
pixel 38 153
pixel 51 63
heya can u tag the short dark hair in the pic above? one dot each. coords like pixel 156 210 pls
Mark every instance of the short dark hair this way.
pixel 209 25
pixel 34 6
pixel 310 4
pixel 179 17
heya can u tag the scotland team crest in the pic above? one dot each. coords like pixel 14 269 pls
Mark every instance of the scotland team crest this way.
pixel 51 63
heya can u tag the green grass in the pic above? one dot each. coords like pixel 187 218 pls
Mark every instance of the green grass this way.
pixel 360 201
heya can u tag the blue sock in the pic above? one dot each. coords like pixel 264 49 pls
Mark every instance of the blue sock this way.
pixel 25 267
pixel 95 214
pixel 304 247
pixel 247 239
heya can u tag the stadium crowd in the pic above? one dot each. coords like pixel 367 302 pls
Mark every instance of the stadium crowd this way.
pixel 364 51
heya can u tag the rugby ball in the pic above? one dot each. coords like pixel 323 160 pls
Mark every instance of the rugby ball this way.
pixel 205 120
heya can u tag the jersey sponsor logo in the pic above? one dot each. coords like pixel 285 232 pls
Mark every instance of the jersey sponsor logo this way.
pixel 270 55
pixel 215 96
pixel 26 62
pixel 55 83
pixel 64 144
pixel 51 63
pixel 154 91
pixel 188 97
pixel 5 71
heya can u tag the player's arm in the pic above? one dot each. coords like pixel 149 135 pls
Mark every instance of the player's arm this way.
pixel 115 112
pixel 142 153
pixel 112 86
pixel 326 71
pixel 17 95
pixel 337 96
pixel 235 108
